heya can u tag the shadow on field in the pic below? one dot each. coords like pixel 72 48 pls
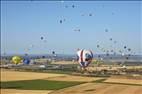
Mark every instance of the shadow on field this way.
pixel 38 84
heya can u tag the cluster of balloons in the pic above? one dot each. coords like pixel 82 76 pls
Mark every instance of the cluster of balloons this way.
pixel 18 60
pixel 114 50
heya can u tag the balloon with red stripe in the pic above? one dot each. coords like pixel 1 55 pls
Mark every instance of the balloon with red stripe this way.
pixel 84 57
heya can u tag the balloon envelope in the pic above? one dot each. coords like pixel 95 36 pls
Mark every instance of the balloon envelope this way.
pixel 16 59
pixel 84 57
pixel 41 38
pixel 53 52
pixel 26 61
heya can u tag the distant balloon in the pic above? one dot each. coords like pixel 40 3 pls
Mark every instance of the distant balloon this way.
pixel 84 57
pixel 99 56
pixel 41 38
pixel 61 21
pixel 127 57
pixel 98 46
pixel 90 14
pixel 125 47
pixel 73 6
pixel 16 59
pixel 129 54
pixel 43 56
pixel 26 60
pixel 129 49
pixel 53 52
pixel 107 54
pixel 26 54
pixel 77 30
pixel 110 39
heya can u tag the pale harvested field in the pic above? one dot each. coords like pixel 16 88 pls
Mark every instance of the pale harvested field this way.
pixel 74 78
pixel 14 91
pixel 112 68
pixel 8 75
pixel 124 80
pixel 100 88
pixel 87 88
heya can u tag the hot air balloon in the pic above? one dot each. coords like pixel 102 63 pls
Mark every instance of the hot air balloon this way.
pixel 16 59
pixel 41 38
pixel 90 14
pixel 43 56
pixel 98 46
pixel 26 60
pixel 53 52
pixel 84 57
pixel 73 6
pixel 61 21
pixel 110 39
pixel 129 49
pixel 125 47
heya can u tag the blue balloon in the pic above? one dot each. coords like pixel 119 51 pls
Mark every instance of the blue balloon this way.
pixel 26 61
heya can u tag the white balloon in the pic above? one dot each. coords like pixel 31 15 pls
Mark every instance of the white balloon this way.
pixel 84 57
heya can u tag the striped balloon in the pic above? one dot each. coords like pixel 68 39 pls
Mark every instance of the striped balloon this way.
pixel 84 57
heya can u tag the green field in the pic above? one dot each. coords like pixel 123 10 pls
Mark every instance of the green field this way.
pixel 37 84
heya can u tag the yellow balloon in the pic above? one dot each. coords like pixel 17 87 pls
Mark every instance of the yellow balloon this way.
pixel 16 59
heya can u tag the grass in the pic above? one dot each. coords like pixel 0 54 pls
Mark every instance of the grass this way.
pixel 37 84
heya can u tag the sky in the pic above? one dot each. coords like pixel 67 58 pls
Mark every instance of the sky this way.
pixel 65 28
